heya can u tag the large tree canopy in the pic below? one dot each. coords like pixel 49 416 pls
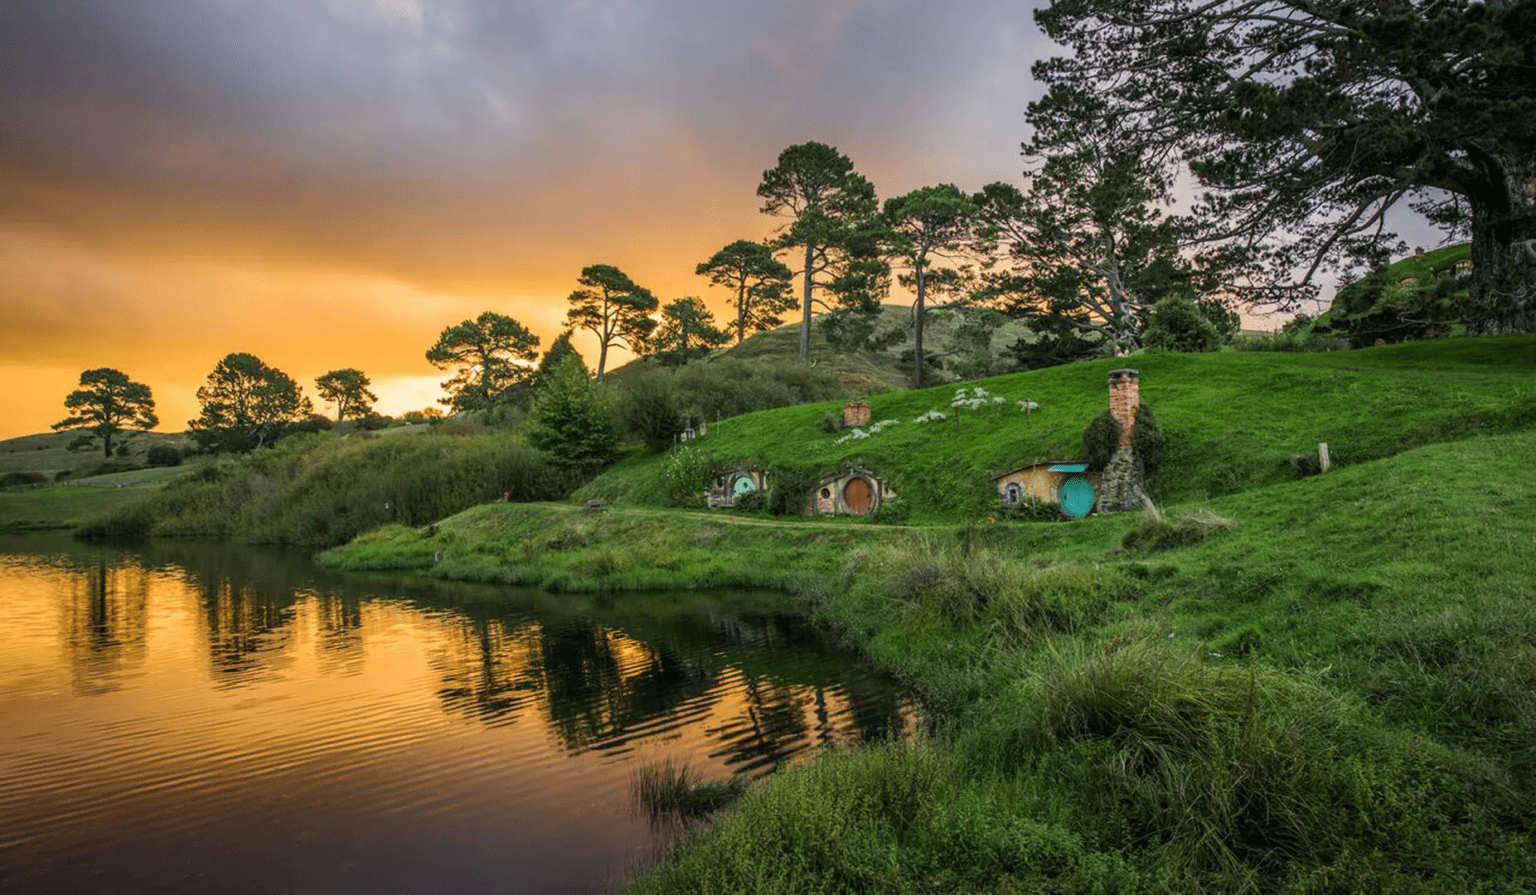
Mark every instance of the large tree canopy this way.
pixel 687 327
pixel 759 281
pixel 1307 120
pixel 927 223
pixel 1087 250
pixel 246 404
pixel 108 403
pixel 492 358
pixel 348 390
pixel 834 212
pixel 615 308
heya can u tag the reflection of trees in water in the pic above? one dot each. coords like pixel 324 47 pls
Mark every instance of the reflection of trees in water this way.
pixel 771 730
pixel 340 620
pixel 105 624
pixel 245 628
pixel 878 710
pixel 488 672
pixel 601 686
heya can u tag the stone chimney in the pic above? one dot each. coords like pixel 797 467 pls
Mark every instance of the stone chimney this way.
pixel 856 413
pixel 1124 398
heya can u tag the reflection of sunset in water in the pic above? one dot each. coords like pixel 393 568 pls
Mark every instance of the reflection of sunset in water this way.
pixel 243 715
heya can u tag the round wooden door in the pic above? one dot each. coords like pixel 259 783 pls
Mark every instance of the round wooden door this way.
pixel 857 496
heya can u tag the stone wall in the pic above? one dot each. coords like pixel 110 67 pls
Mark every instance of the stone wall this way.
pixel 1120 485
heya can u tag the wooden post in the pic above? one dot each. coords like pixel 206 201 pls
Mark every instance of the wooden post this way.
pixel 1322 455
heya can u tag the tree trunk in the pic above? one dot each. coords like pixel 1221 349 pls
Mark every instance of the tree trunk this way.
pixel 805 322
pixel 602 358
pixel 106 445
pixel 741 312
pixel 917 352
pixel 1503 298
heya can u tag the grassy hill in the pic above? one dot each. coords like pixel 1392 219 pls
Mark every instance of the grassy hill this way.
pixel 950 335
pixel 1233 420
pixel 1286 685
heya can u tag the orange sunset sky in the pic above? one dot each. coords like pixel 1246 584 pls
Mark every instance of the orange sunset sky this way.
pixel 330 183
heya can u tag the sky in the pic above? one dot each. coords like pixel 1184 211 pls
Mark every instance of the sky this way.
pixel 331 183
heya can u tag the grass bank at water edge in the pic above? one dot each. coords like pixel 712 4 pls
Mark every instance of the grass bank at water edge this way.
pixel 1325 684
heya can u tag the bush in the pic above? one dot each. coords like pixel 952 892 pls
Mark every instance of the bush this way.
pixel 164 455
pixel 1100 440
pixel 13 479
pixel 320 493
pixel 1177 324
pixel 1148 441
pixel 1157 533
pixel 789 489
pixel 687 472
pixel 649 409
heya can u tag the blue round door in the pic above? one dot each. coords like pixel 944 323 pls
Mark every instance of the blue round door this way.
pixel 743 485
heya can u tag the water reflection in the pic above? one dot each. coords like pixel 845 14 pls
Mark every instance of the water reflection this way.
pixel 105 625
pixel 227 701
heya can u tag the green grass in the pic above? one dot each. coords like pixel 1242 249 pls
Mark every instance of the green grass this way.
pixel 62 506
pixel 560 547
pixel 1233 421
pixel 48 453
pixel 1331 693
pixel 864 373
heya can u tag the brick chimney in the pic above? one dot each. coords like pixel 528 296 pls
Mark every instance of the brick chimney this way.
pixel 856 413
pixel 1124 398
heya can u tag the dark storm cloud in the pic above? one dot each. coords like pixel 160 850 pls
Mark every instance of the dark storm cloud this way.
pixel 256 93
pixel 250 173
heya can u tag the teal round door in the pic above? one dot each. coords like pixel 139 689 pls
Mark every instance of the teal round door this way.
pixel 1075 496
pixel 743 485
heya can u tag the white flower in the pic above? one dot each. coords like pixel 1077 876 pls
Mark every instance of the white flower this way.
pixel 929 417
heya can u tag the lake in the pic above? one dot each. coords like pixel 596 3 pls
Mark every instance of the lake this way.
pixel 193 717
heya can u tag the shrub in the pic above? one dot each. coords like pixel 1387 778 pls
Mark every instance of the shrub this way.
pixel 687 471
pixel 1157 533
pixel 12 479
pixel 1306 463
pixel 1101 439
pixel 164 455
pixel 1177 324
pixel 789 488
pixel 649 409
pixel 830 422
pixel 1148 441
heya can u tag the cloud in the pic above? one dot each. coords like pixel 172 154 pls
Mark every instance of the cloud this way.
pixel 179 178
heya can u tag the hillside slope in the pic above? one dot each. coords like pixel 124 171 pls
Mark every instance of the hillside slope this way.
pixel 1233 420
pixel 963 346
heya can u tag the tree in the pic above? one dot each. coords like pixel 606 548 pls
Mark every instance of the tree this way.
pixel 560 349
pixel 348 390
pixel 614 308
pixel 934 221
pixel 759 281
pixel 1087 248
pixel 833 210
pixel 492 356
pixel 106 405
pixel 572 420
pixel 247 404
pixel 686 325
pixel 1306 121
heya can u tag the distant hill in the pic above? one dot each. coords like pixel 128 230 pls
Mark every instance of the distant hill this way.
pixel 48 452
pixel 961 340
